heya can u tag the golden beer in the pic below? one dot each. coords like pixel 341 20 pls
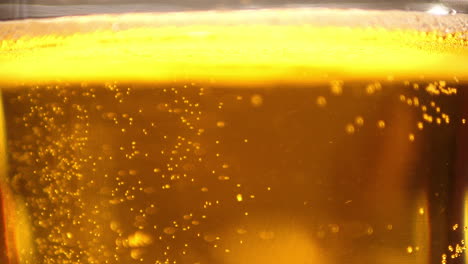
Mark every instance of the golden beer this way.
pixel 253 136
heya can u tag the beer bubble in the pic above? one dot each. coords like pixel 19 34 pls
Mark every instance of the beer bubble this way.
pixel 256 100
pixel 336 87
pixel 420 125
pixel 220 124
pixel 139 239
pixel 321 101
pixel 381 124
pixel 350 129
pixel 359 120
pixel 169 230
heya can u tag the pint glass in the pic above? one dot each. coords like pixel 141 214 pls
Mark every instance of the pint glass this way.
pixel 235 136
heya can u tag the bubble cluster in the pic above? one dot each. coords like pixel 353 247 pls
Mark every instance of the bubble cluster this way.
pixel 455 250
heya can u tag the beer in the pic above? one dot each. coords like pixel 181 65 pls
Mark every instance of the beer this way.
pixel 265 136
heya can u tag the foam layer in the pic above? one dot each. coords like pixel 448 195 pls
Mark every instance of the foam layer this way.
pixel 240 47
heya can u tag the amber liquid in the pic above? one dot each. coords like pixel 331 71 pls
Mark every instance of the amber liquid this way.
pixel 298 167
pixel 221 175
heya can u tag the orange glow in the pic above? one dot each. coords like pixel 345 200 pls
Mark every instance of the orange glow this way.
pixel 8 217
pixel 206 51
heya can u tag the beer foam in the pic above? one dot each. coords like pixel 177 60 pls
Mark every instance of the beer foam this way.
pixel 242 47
